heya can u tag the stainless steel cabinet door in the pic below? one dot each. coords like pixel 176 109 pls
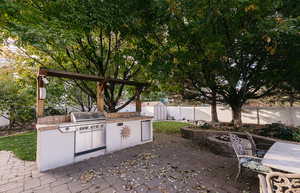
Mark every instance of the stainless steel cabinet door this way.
pixel 83 141
pixel 134 136
pixel 113 137
pixel 98 138
pixel 146 130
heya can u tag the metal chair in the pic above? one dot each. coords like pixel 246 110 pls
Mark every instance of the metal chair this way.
pixel 277 182
pixel 255 151
pixel 248 161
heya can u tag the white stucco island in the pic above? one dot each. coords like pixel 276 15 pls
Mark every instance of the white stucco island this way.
pixel 56 148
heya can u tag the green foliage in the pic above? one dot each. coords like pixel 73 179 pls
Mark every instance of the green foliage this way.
pixel 296 135
pixel 236 49
pixel 286 93
pixel 16 101
pixel 281 131
pixel 53 111
pixel 103 38
pixel 168 127
pixel 154 95
pixel 23 145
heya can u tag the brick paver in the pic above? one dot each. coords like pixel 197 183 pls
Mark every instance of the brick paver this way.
pixel 169 164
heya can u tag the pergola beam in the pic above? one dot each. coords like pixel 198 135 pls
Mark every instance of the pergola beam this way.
pixel 78 76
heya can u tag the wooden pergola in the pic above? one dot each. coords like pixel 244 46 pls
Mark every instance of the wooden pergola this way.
pixel 101 83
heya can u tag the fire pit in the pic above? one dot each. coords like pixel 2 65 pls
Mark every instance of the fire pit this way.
pixel 223 138
pixel 221 145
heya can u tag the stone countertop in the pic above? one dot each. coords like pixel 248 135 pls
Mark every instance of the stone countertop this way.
pixel 124 119
pixel 45 127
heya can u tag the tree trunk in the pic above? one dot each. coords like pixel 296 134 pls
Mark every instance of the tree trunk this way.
pixel 291 100
pixel 111 107
pixel 11 117
pixel 236 115
pixel 214 114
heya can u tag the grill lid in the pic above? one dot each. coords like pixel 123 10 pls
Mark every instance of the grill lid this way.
pixel 86 116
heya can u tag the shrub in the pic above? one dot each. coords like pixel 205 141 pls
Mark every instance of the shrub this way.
pixel 280 131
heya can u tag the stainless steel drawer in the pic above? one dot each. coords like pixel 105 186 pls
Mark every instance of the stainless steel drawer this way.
pixel 146 130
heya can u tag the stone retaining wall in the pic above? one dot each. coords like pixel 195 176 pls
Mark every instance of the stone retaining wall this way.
pixel 207 138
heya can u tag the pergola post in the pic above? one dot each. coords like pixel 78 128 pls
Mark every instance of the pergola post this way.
pixel 100 96
pixel 40 103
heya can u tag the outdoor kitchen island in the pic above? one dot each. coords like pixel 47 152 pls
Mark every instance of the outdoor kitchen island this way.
pixel 65 143
pixel 66 139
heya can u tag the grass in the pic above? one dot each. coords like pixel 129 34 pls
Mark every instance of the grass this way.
pixel 23 145
pixel 168 127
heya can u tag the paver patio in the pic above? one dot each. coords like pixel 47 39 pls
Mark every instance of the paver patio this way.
pixel 168 165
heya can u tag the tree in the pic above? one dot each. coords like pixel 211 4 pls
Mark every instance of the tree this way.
pixel 61 94
pixel 16 101
pixel 234 47
pixel 285 94
pixel 103 38
pixel 192 86
pixel 290 86
pixel 196 88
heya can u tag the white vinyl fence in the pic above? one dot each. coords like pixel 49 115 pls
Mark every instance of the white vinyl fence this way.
pixel 262 115
pixel 158 110
pixel 3 121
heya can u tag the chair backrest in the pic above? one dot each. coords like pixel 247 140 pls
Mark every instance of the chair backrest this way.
pixel 253 145
pixel 283 183
pixel 237 145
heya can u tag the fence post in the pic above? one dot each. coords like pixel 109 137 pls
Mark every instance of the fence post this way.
pixel 257 114
pixel 194 113
pixel 180 116
pixel 291 113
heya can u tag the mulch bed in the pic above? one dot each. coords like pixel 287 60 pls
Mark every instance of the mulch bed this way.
pixel 224 126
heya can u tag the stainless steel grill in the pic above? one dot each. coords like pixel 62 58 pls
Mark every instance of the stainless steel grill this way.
pixel 89 128
pixel 86 116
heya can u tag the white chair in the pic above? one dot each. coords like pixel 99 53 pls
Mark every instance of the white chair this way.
pixel 256 151
pixel 247 161
pixel 277 182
